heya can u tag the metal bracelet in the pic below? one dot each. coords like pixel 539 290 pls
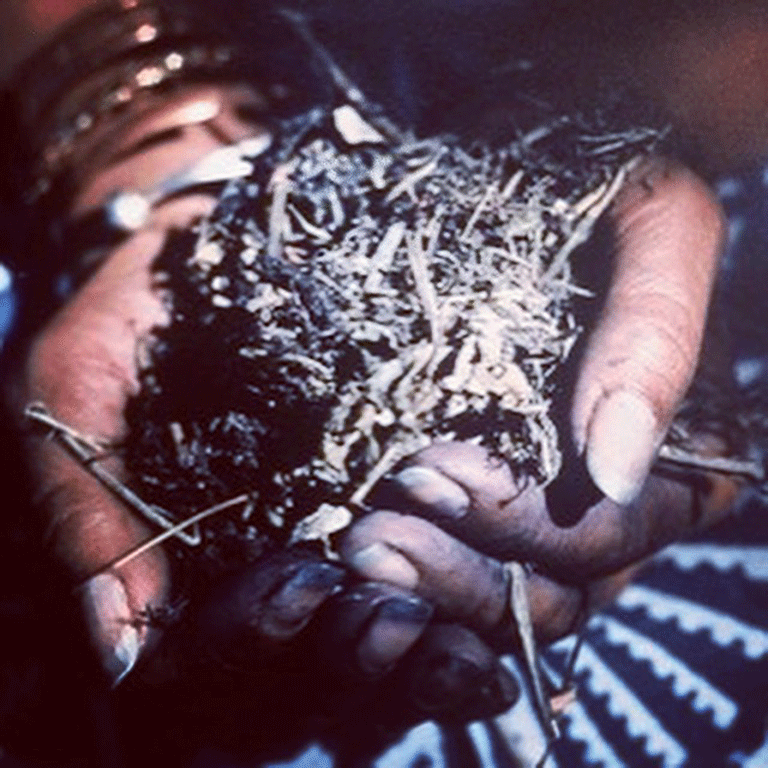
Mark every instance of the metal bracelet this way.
pixel 98 65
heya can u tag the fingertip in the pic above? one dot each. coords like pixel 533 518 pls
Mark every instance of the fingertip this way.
pixel 296 602
pixel 381 562
pixel 110 623
pixel 623 438
pixel 457 678
pixel 430 490
pixel 398 623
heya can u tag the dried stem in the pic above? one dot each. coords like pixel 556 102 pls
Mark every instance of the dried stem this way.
pixel 584 227
pixel 83 451
pixel 521 612
pixel 751 470
pixel 342 82
pixel 145 546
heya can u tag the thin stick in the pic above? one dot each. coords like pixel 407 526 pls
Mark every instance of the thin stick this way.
pixel 521 611
pixel 39 413
pixel 391 456
pixel 340 79
pixel 583 229
pixel 281 185
pixel 408 183
pixel 478 212
pixel 383 255
pixel 82 450
pixel 140 549
pixel 511 186
pixel 418 258
pixel 752 470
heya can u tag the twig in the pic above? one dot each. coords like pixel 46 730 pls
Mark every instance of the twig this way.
pixel 584 228
pixel 280 184
pixel 82 450
pixel 473 219
pixel 341 81
pixel 408 183
pixel 518 602
pixel 511 186
pixel 418 258
pixel 752 470
pixel 140 549
pixel 391 456
pixel 383 255
pixel 38 412
pixel 537 134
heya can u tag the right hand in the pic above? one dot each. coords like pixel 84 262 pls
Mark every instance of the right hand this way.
pixel 286 613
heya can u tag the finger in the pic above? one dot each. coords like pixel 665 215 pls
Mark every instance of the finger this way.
pixel 82 369
pixel 371 626
pixel 467 587
pixel 507 517
pixel 256 614
pixel 641 357
pixel 89 530
pixel 441 670
pixel 453 675
pixel 463 584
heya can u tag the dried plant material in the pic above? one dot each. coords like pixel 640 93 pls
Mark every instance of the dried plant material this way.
pixel 354 299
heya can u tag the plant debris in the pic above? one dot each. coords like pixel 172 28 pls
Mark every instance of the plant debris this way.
pixel 357 297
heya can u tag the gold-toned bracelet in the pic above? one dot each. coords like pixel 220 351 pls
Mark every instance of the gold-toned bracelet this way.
pixel 96 68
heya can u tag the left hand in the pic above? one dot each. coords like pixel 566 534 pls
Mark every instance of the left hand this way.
pixel 460 512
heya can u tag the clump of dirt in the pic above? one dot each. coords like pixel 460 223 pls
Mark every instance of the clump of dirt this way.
pixel 358 296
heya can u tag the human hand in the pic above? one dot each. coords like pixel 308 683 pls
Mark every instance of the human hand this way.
pixel 293 611
pixel 292 640
pixel 461 513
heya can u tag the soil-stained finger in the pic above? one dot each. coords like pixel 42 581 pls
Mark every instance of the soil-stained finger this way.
pixel 265 606
pixel 463 584
pixel 369 628
pixel 507 517
pixel 454 676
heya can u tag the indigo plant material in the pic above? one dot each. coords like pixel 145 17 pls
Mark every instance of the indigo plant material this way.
pixel 362 294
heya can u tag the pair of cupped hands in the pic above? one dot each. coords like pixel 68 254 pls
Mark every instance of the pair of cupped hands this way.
pixel 419 604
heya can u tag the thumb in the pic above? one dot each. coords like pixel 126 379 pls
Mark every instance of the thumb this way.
pixel 83 368
pixel 642 356
pixel 90 532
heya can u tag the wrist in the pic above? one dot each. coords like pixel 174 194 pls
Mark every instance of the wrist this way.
pixel 142 95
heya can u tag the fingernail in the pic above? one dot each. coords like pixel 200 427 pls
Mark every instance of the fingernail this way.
pixel 412 610
pixel 459 688
pixel 398 624
pixel 291 608
pixel 622 441
pixel 108 617
pixel 434 490
pixel 444 683
pixel 323 577
pixel 379 562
